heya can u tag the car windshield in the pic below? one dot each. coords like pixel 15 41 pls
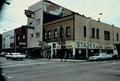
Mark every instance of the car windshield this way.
pixel 97 54
pixel 16 53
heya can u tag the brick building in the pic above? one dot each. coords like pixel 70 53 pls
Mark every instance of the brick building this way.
pixel 78 34
pixel 21 39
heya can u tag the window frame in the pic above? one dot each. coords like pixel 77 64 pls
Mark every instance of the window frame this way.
pixel 68 31
pixel 84 31
pixel 97 33
pixel 106 35
pixel 93 32
pixel 55 33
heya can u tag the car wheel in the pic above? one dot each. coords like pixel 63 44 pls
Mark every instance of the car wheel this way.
pixel 21 59
pixel 7 58
pixel 99 59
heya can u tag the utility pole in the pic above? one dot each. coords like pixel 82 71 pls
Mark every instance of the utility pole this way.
pixel 15 42
pixel 61 41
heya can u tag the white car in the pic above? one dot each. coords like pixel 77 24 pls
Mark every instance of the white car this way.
pixel 15 56
pixel 100 56
pixel 2 54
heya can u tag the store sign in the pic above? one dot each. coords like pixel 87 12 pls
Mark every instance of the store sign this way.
pixel 83 44
pixel 22 43
pixel 90 45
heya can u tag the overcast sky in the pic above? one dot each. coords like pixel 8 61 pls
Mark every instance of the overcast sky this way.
pixel 13 15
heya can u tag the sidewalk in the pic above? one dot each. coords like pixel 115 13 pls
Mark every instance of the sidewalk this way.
pixel 57 59
pixel 64 60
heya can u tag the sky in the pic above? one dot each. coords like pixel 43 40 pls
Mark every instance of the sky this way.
pixel 13 15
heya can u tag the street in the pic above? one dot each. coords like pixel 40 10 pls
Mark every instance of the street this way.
pixel 52 70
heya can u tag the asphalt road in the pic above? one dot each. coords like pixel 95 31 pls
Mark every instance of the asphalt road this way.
pixel 64 71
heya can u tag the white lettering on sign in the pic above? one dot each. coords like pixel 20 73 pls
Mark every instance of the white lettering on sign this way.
pixel 22 43
pixel 84 45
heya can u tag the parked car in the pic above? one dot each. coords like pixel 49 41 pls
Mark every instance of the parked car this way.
pixel 100 56
pixel 2 54
pixel 115 55
pixel 15 56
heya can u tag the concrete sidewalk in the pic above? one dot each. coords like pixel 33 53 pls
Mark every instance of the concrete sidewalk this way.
pixel 57 59
pixel 66 60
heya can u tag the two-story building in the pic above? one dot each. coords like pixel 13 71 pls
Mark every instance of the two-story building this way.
pixel 81 33
pixel 21 39
pixel 8 43
pixel 15 40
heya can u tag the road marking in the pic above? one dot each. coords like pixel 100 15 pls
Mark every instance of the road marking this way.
pixel 3 74
pixel 25 64
pixel 88 62
pixel 9 77
pixel 114 63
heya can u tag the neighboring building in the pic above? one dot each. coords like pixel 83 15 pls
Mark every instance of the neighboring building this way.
pixel 34 32
pixel 8 41
pixel 36 23
pixel 0 42
pixel 21 39
pixel 15 40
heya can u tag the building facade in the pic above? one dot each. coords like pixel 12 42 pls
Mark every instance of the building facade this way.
pixel 21 39
pixel 0 42
pixel 81 33
pixel 15 40
pixel 63 29
pixel 8 42
pixel 35 21
pixel 38 14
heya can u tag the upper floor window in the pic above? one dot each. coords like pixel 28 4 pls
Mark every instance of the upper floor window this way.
pixel 49 34
pixel 37 21
pixel 30 23
pixel 93 32
pixel 45 35
pixel 97 33
pixel 68 32
pixel 23 36
pixel 55 33
pixel 37 35
pixel 106 35
pixel 61 32
pixel 84 31
pixel 18 37
pixel 31 35
pixel 117 37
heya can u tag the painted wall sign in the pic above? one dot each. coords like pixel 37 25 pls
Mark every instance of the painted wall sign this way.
pixel 52 8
